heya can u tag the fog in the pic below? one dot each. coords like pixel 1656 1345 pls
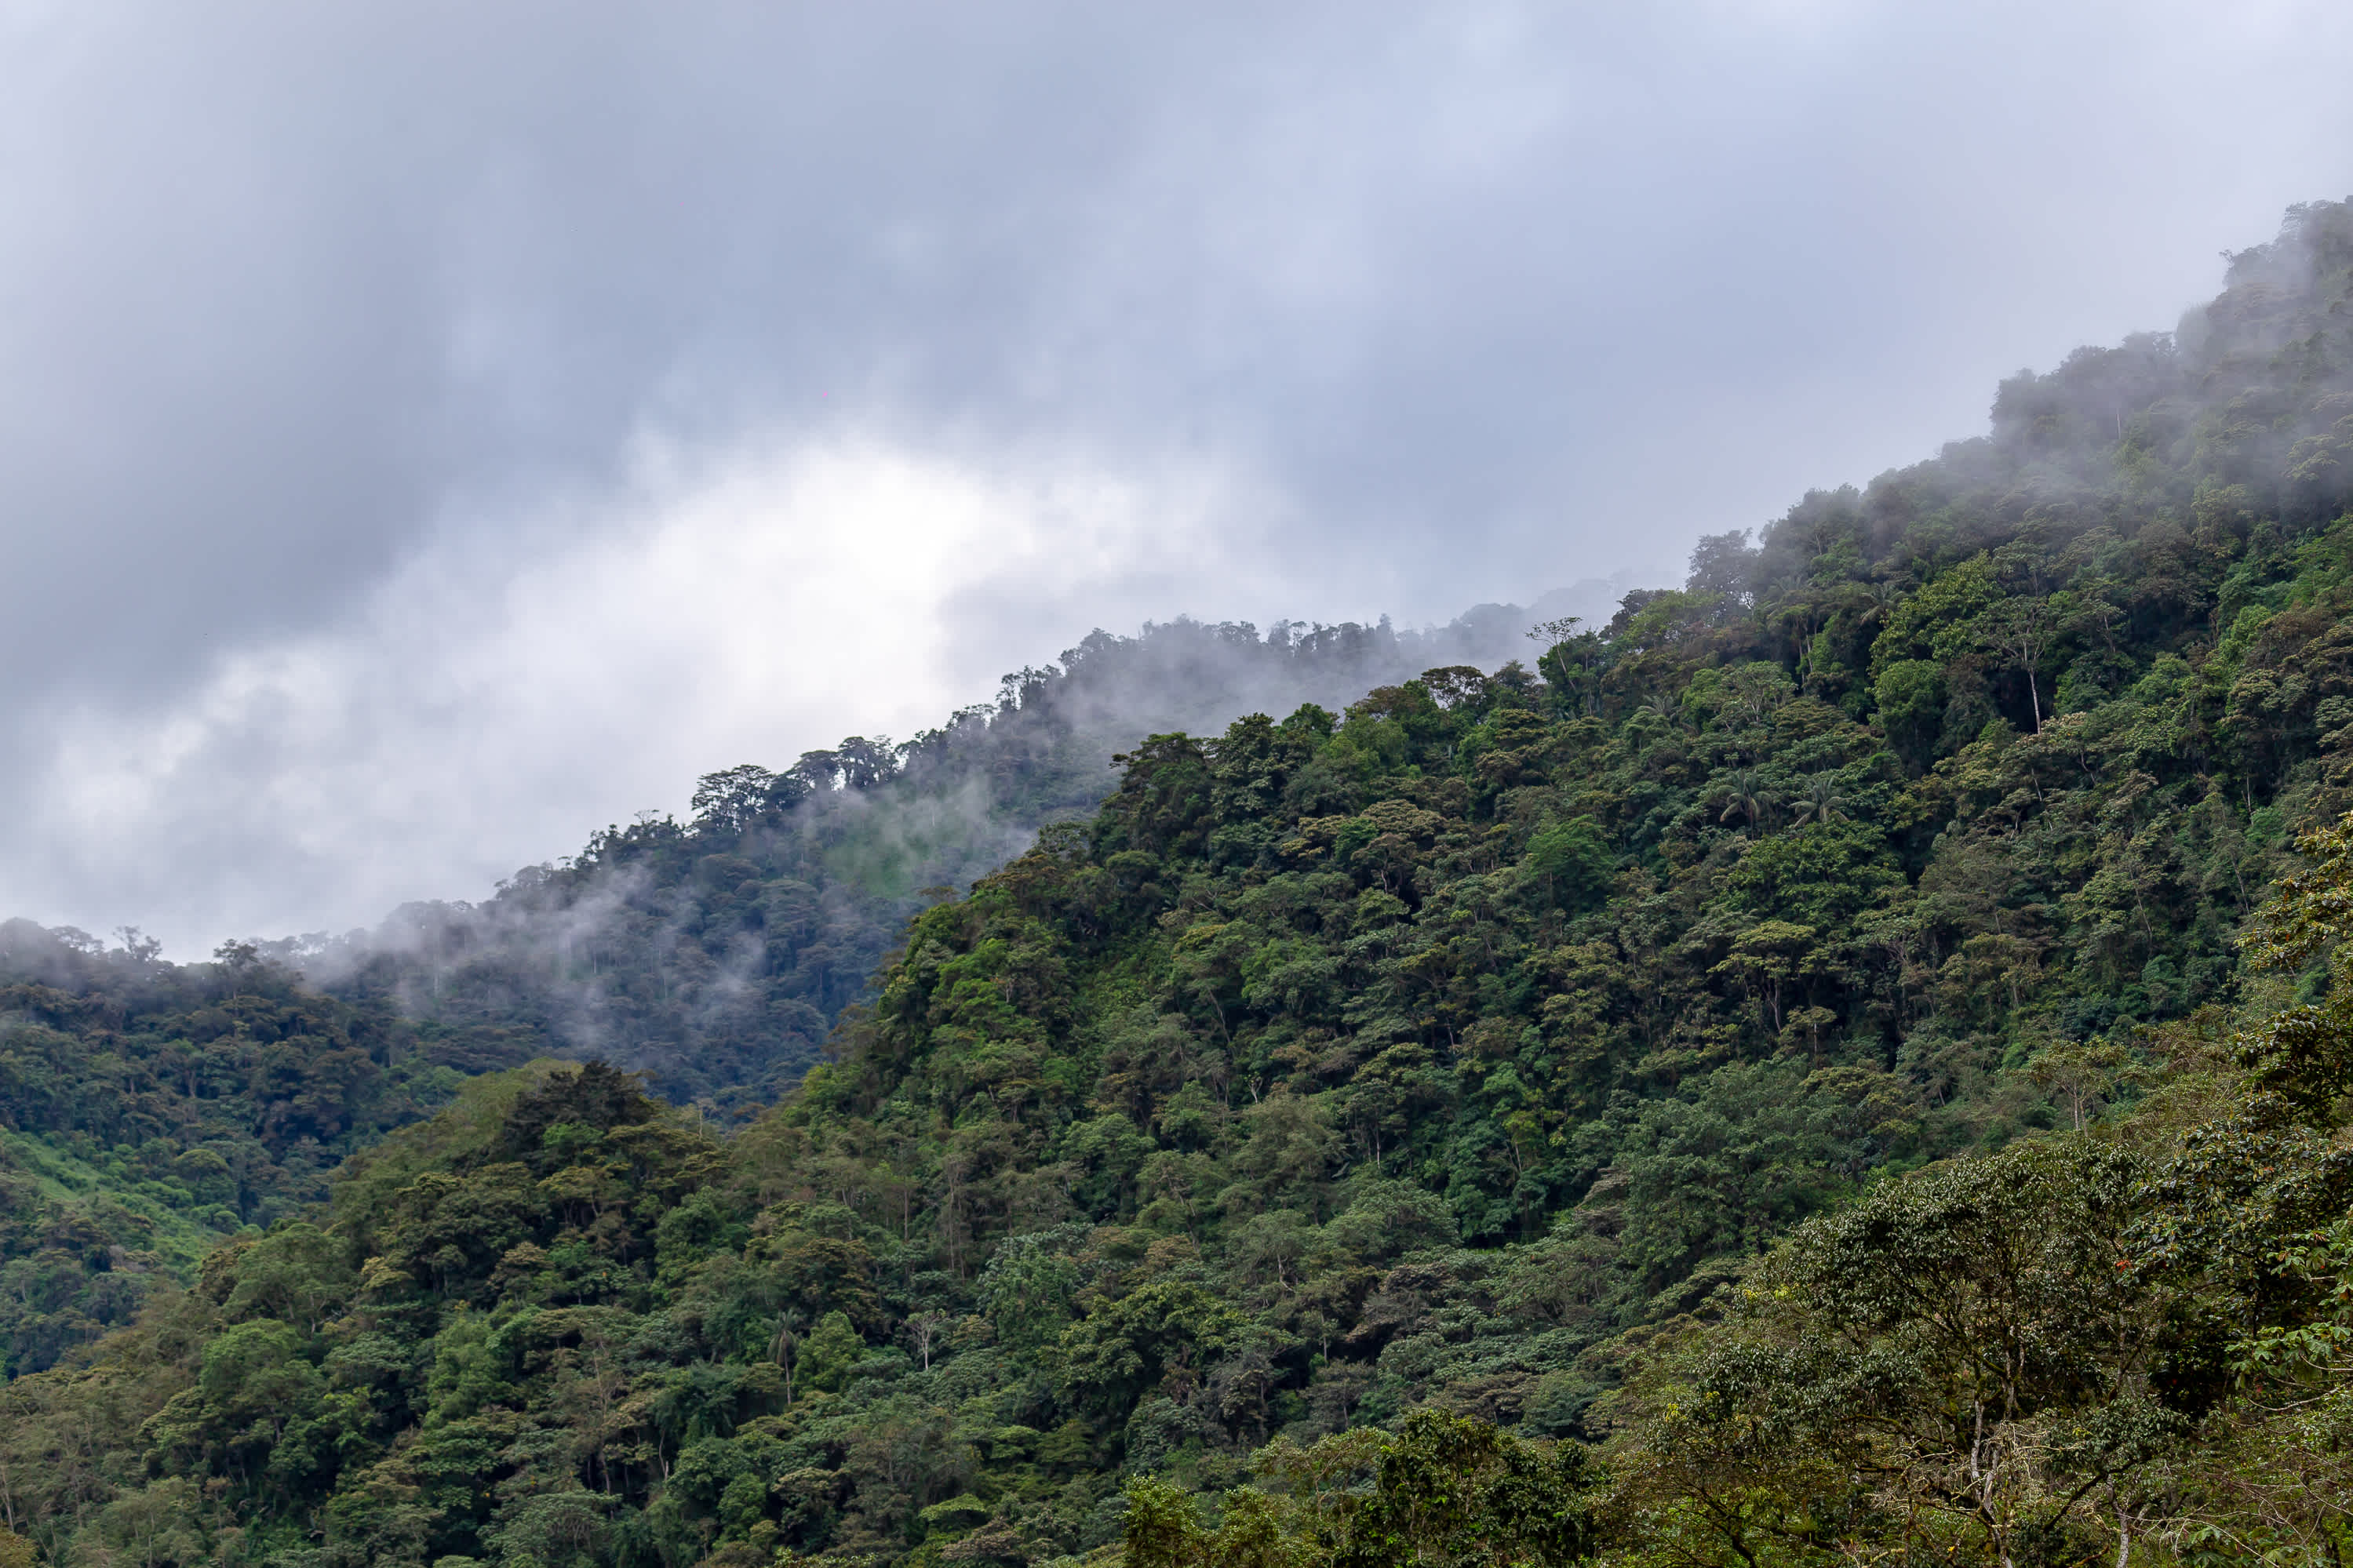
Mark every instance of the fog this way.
pixel 716 953
pixel 429 434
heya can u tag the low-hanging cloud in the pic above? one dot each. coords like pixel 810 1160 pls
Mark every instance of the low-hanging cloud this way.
pixel 340 566
pixel 521 680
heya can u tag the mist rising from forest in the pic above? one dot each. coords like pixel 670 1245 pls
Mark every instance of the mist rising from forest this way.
pixel 390 494
pixel 876 829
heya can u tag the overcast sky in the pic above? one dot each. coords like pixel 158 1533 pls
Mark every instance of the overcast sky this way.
pixel 430 432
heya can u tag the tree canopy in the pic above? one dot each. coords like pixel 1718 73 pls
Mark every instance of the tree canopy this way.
pixel 1847 1061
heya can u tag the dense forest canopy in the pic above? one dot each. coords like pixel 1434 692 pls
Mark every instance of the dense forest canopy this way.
pixel 147 1110
pixel 1848 1060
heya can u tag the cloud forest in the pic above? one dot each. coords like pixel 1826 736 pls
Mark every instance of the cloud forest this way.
pixel 1844 1060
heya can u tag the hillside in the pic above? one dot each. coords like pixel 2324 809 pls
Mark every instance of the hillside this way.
pixel 1849 1061
pixel 716 954
pixel 148 1109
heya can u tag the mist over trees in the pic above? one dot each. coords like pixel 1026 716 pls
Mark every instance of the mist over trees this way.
pixel 1849 1060
pixel 716 954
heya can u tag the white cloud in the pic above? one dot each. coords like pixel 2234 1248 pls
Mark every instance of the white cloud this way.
pixel 544 673
pixel 1478 300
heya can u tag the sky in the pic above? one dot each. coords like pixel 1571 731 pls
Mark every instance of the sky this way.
pixel 430 432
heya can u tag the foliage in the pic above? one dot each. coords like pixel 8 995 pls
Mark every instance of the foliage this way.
pixel 2115 1341
pixel 1777 1084
pixel 148 1109
pixel 1443 1490
pixel 716 954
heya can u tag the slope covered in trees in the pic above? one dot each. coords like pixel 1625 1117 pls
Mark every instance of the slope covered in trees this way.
pixel 1780 1082
pixel 148 1109
pixel 716 954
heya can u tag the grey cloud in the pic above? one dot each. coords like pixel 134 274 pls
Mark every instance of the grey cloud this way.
pixel 1478 297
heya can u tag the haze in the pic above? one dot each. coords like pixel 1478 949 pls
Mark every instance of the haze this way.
pixel 429 433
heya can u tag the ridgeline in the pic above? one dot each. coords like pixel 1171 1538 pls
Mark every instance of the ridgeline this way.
pixel 1847 1060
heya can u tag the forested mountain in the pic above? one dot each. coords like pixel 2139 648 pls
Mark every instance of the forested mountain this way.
pixel 1849 1061
pixel 148 1109
pixel 716 954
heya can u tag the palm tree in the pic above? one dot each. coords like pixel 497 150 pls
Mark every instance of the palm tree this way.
pixel 1749 798
pixel 1821 802
pixel 1879 601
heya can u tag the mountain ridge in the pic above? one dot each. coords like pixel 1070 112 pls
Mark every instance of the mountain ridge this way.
pixel 843 843
pixel 1850 1058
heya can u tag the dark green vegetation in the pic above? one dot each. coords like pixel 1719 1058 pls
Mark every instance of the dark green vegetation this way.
pixel 2127 1345
pixel 147 1110
pixel 716 956
pixel 1848 1062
